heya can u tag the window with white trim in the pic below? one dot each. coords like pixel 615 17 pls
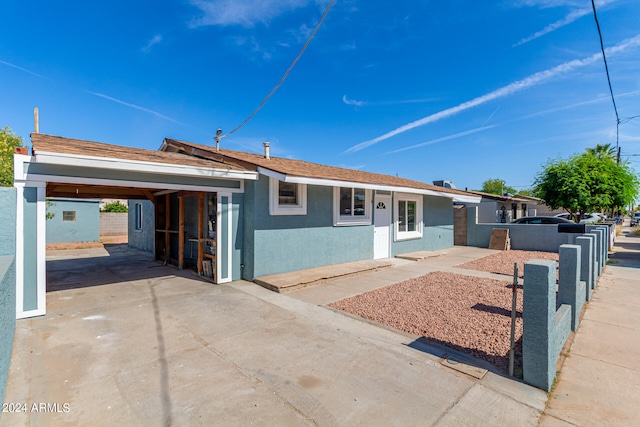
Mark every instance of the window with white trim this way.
pixel 408 216
pixel 351 206
pixel 286 198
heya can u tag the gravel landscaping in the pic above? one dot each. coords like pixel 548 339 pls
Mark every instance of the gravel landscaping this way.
pixel 502 262
pixel 466 313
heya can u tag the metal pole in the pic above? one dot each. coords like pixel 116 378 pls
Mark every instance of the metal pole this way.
pixel 514 299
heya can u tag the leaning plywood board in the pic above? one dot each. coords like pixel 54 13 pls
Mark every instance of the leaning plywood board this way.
pixel 500 239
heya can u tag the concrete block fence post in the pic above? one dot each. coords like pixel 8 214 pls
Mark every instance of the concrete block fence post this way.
pixel 570 290
pixel 599 260
pixel 540 338
pixel 586 262
pixel 594 266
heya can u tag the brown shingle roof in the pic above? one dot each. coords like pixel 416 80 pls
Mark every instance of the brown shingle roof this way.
pixel 300 168
pixel 57 144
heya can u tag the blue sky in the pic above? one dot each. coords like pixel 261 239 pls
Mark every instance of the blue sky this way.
pixel 456 90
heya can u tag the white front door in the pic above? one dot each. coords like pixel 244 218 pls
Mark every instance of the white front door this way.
pixel 382 226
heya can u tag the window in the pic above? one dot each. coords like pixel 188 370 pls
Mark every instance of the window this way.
pixel 138 217
pixel 408 216
pixel 286 198
pixel 68 216
pixel 352 206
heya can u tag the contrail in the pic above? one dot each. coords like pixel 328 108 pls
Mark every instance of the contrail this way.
pixel 444 138
pixel 137 107
pixel 532 80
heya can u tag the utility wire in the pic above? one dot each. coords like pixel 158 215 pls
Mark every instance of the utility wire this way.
pixel 315 30
pixel 606 67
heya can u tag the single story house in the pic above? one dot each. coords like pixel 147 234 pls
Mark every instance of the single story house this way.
pixel 228 213
pixel 493 208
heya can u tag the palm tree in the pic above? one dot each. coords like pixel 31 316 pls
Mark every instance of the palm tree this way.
pixel 602 151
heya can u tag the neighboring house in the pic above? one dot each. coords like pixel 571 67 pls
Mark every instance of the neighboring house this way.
pixel 494 208
pixel 537 207
pixel 73 220
pixel 249 215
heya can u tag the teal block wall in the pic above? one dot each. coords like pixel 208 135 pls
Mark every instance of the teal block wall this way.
pixel 7 282
pixel 7 221
pixel 86 227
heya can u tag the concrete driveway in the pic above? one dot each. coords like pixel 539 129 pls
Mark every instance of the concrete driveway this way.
pixel 127 341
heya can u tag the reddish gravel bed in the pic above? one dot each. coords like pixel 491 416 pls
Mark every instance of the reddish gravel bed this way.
pixel 502 262
pixel 466 313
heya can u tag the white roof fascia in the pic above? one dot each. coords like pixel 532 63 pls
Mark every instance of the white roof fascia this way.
pixel 36 179
pixel 65 159
pixel 338 183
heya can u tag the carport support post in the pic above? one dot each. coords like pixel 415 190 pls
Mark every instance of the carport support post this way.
pixel 167 225
pixel 200 232
pixel 181 232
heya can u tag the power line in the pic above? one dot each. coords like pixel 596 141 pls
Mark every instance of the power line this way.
pixel 315 30
pixel 606 67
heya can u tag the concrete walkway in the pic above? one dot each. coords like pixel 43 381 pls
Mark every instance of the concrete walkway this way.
pixel 599 383
pixel 127 341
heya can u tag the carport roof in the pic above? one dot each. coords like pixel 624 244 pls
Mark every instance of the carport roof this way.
pixel 43 143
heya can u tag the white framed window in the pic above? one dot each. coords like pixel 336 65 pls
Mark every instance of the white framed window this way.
pixel 286 198
pixel 408 216
pixel 138 216
pixel 351 206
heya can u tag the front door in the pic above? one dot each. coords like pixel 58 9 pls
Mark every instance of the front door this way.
pixel 382 226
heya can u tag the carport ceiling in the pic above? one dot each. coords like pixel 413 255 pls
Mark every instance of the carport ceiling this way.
pixel 98 192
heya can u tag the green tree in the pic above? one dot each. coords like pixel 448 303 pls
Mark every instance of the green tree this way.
pixel 497 186
pixel 114 207
pixel 8 141
pixel 587 182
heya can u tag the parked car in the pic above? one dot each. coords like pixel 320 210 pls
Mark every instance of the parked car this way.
pixel 635 219
pixel 565 215
pixel 542 220
pixel 592 218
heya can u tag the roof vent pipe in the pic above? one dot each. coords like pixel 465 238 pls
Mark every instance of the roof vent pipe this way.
pixel 266 150
pixel 36 120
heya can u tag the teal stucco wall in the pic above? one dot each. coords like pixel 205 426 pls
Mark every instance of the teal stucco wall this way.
pixel 85 228
pixel 283 243
pixel 7 282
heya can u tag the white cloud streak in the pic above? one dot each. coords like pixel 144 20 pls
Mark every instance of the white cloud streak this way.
pixel 134 106
pixel 23 69
pixel 572 16
pixel 444 138
pixel 353 102
pixel 532 80
pixel 154 41
pixel 245 13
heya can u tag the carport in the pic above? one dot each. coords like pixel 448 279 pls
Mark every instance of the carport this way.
pixel 64 167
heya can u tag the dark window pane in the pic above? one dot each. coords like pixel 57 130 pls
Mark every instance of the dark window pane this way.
pixel 402 215
pixel 411 216
pixel 287 193
pixel 345 201
pixel 358 202
pixel 68 215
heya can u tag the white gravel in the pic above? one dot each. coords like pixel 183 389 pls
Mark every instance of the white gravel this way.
pixel 466 313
